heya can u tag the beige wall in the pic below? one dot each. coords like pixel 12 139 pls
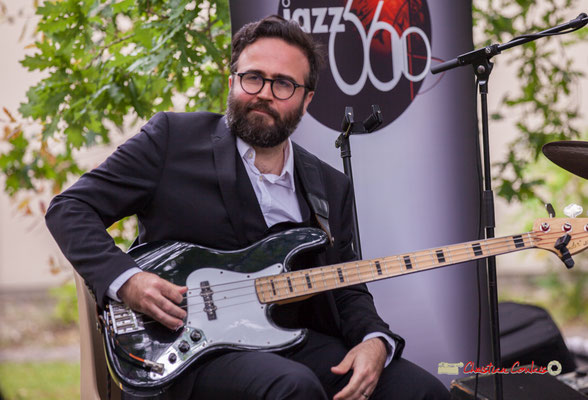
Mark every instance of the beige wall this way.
pixel 25 243
pixel 26 246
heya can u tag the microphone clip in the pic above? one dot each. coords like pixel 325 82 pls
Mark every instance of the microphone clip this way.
pixel 350 127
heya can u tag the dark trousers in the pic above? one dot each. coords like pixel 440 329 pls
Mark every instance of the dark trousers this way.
pixel 304 373
pixel 301 374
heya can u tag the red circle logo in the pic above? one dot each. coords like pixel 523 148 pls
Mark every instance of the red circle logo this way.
pixel 379 52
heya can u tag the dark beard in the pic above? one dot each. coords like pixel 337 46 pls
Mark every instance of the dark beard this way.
pixel 253 129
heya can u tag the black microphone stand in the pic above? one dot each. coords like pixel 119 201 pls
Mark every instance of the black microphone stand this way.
pixel 480 60
pixel 350 127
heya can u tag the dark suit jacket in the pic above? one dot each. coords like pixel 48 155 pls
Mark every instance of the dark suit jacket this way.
pixel 183 178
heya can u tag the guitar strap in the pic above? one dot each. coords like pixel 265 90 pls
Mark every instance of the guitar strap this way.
pixel 307 167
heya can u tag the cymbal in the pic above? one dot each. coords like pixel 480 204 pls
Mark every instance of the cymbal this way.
pixel 571 155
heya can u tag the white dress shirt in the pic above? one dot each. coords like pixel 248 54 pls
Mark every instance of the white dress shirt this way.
pixel 276 194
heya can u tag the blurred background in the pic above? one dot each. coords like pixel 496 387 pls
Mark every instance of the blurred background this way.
pixel 79 77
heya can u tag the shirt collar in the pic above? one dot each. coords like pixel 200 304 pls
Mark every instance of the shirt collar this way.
pixel 247 153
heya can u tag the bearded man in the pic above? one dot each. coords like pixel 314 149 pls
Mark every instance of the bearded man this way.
pixel 226 182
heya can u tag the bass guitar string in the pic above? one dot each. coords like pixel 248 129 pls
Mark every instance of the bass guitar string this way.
pixel 248 274
pixel 463 250
pixel 313 273
pixel 151 320
pixel 280 282
pixel 495 245
pixel 396 263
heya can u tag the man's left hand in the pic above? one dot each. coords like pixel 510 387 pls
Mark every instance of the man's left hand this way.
pixel 367 361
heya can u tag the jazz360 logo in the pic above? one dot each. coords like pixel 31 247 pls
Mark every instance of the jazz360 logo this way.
pixel 379 52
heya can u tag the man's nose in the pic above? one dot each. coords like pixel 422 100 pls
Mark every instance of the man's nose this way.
pixel 266 92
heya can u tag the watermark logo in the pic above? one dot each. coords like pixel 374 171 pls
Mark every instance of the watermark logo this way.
pixel 379 52
pixel 553 368
pixel 445 368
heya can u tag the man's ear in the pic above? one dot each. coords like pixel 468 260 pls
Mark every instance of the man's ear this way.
pixel 230 81
pixel 307 101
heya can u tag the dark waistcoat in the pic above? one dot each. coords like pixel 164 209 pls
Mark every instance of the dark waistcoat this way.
pixel 318 311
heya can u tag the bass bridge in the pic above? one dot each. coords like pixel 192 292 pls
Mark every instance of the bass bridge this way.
pixel 122 319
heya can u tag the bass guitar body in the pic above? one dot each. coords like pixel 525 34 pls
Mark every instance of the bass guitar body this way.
pixel 224 312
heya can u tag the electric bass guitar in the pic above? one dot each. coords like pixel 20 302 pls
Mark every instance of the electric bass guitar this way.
pixel 230 293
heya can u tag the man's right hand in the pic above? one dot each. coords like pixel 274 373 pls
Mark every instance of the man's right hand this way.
pixel 149 294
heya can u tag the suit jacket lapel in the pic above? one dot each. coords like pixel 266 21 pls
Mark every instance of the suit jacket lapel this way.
pixel 307 167
pixel 225 155
pixel 252 219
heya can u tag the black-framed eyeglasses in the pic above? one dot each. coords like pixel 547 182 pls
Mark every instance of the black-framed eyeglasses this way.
pixel 282 88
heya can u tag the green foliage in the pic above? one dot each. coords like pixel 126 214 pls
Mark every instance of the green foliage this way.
pixel 40 380
pixel 567 291
pixel 559 187
pixel 66 309
pixel 569 294
pixel 124 231
pixel 106 60
pixel 544 103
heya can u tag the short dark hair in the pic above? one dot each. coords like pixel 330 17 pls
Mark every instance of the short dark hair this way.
pixel 275 26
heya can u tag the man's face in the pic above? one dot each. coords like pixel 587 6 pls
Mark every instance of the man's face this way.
pixel 261 119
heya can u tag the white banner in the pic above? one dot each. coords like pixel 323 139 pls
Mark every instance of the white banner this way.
pixel 416 180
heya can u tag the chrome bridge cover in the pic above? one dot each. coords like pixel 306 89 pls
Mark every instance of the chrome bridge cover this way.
pixel 122 319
